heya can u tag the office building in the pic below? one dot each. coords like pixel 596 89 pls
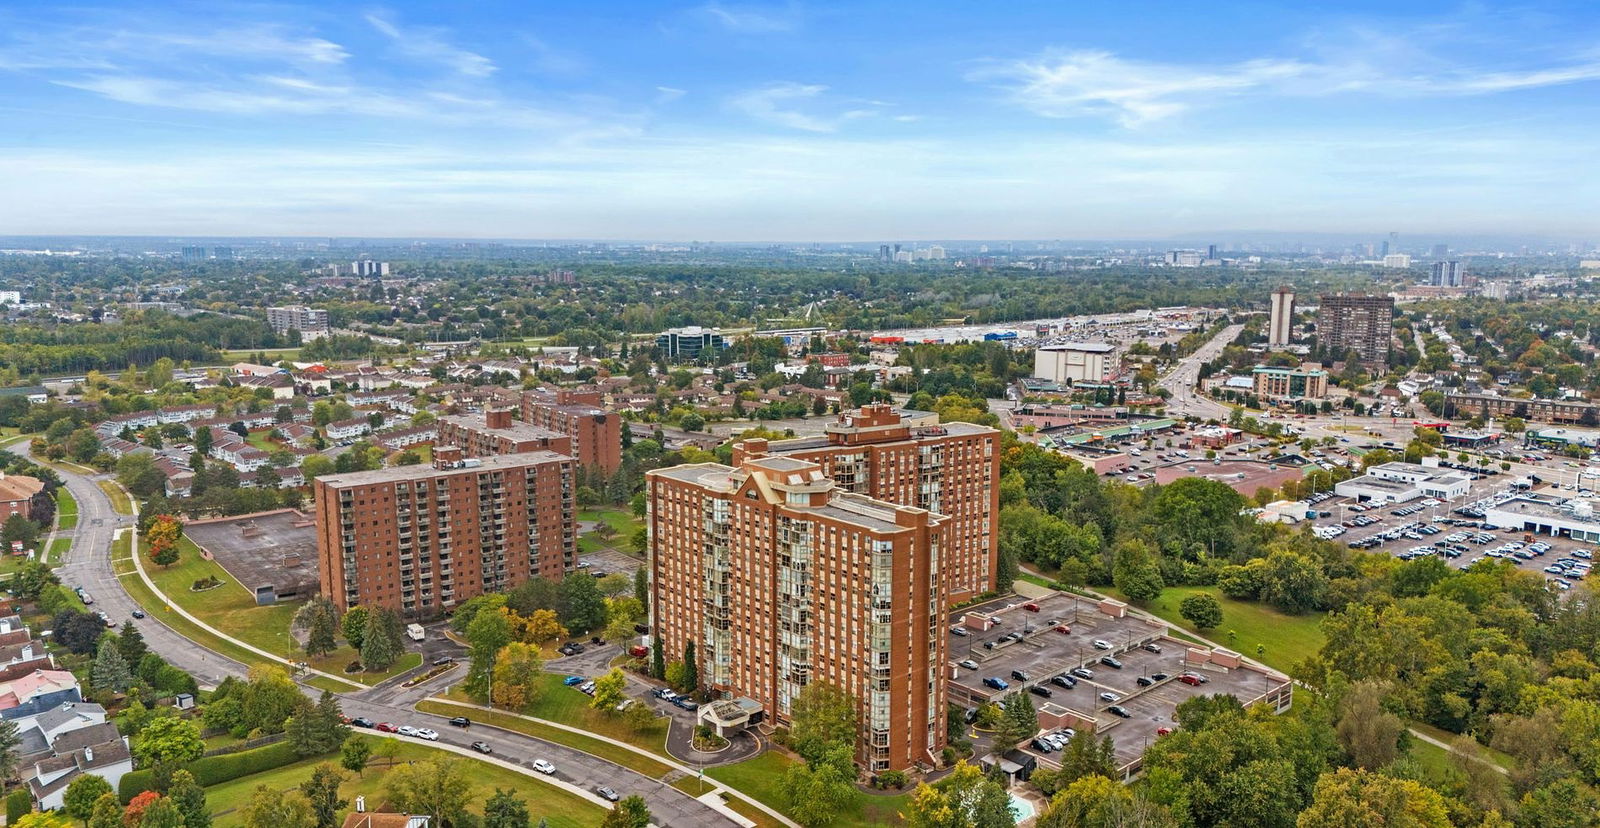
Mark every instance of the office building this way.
pixel 310 322
pixel 494 433
pixel 1447 274
pixel 1396 261
pixel 690 342
pixel 1074 362
pixel 1355 322
pixel 596 433
pixel 952 469
pixel 1280 384
pixel 781 579
pixel 422 539
pixel 1280 323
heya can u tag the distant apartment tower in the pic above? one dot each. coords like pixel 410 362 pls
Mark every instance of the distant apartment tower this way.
pixel 493 433
pixel 1356 322
pixel 1280 322
pixel 781 580
pixel 1074 362
pixel 1447 274
pixel 194 254
pixel 952 469
pixel 1397 261
pixel 1211 251
pixel 690 342
pixel 310 322
pixel 368 267
pixel 936 252
pixel 1184 258
pixel 420 540
pixel 595 433
pixel 884 254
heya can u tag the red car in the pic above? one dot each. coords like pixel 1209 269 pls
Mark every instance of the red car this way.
pixel 638 651
pixel 386 727
pixel 1031 607
pixel 1063 629
pixel 1192 681
pixel 1163 731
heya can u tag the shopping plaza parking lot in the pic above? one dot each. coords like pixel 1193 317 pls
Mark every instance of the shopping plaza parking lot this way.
pixel 1028 643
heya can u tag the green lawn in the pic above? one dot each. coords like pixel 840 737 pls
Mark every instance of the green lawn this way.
pixel 66 510
pixel 557 807
pixel 260 440
pixel 1504 760
pixel 120 502
pixel 58 551
pixel 554 706
pixel 759 778
pixel 1288 639
pixel 274 355
pixel 232 609
pixel 622 525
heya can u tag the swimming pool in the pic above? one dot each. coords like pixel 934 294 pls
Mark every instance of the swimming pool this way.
pixel 1021 808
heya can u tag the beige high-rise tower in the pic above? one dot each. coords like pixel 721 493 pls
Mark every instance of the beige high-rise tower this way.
pixel 1281 324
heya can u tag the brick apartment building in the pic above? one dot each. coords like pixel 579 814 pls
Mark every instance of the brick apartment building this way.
pixel 421 539
pixel 1356 322
pixel 494 432
pixel 596 433
pixel 782 579
pixel 952 469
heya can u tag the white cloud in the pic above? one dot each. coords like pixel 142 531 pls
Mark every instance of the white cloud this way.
pixel 668 94
pixel 430 45
pixel 774 104
pixel 751 19
pixel 1135 93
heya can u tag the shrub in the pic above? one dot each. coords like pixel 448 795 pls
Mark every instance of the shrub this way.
pixel 214 770
pixel 18 803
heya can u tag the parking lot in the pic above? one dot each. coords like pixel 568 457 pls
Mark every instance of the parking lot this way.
pixel 1071 685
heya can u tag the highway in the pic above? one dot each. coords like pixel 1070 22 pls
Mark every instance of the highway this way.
pixel 88 564
pixel 1182 379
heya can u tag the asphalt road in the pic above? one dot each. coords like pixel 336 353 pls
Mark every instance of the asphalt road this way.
pixel 1182 379
pixel 89 565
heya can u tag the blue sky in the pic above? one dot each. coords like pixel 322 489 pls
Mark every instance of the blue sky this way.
pixel 799 121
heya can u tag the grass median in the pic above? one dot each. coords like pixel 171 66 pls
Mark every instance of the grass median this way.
pixel 557 807
pixel 121 503
pixel 588 744
pixel 66 510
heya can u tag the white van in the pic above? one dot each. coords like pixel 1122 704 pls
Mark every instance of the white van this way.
pixel 415 632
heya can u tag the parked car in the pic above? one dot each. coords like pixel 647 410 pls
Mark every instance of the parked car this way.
pixel 995 683
pixel 967 664
pixel 1153 647
pixel 361 721
pixel 1083 672
pixel 1144 681
pixel 1117 710
pixel 1063 629
pixel 638 651
pixel 482 747
pixel 407 730
pixel 428 733
pixel 959 632
pixel 443 660
pixel 1110 697
pixel 461 721
pixel 1191 679
pixel 686 703
pixel 1031 607
pixel 138 613
pixel 1111 662
pixel 544 767
pixel 1101 645
pixel 1019 675
pixel 1040 690
pixel 1042 745
pixel 607 793
pixel 386 727
pixel 1064 681
pixel 572 681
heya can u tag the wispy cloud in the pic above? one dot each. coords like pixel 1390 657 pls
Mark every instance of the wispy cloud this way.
pixel 668 94
pixel 775 104
pixel 431 45
pixel 1134 93
pixel 752 19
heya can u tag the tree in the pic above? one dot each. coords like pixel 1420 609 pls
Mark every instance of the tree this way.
pixel 658 662
pixel 817 792
pixel 1135 571
pixel 163 556
pixel 268 808
pixel 518 676
pixel 110 671
pixel 691 668
pixel 353 625
pixel 172 741
pixel 1293 582
pixel 1201 609
pixel 486 636
pixel 1019 722
pixel 1348 797
pixel 318 618
pixel 505 810
pixel 439 789
pixel 1368 733
pixel 190 800
pixel 107 812
pixel 46 819
pixel 823 716
pixel 381 644
pixel 609 690
pixel 629 812
pixel 317 729
pixel 137 806
pixel 641 586
pixel 130 642
pixel 162 538
pixel 18 528
pixel 322 791
pixel 354 754
pixel 81 795
pixel 1099 802
pixel 964 799
pixel 583 608
pixel 162 813
pixel 543 626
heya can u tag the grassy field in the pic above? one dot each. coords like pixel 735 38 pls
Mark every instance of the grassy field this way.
pixel 1502 759
pixel 557 807
pixel 274 355
pixel 260 440
pixel 66 510
pixel 1288 639
pixel 759 778
pixel 557 704
pixel 621 525
pixel 58 551
pixel 232 609
pixel 120 502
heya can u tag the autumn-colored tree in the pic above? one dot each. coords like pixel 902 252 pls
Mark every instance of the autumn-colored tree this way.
pixel 162 538
pixel 134 813
pixel 542 626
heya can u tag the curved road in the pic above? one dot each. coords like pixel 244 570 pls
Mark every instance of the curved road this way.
pixel 88 564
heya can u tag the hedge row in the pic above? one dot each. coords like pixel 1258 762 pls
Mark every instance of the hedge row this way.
pixel 214 770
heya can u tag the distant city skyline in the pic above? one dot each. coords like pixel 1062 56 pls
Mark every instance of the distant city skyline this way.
pixel 792 121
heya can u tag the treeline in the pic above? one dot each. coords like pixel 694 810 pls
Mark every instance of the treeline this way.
pixel 140 339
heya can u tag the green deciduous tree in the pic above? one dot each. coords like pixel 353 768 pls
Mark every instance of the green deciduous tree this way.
pixel 486 636
pixel 268 808
pixel 190 799
pixel 504 809
pixel 963 799
pixel 629 812
pixel 1349 797
pixel 322 791
pixel 439 789
pixel 353 625
pixel 319 619
pixel 518 676
pixel 817 792
pixel 81 795
pixel 609 690
pixel 171 741
pixel 822 717
pixel 353 755
pixel 1201 609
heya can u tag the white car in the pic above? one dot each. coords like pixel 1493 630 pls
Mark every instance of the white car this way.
pixel 408 730
pixel 428 733
pixel 544 767
pixel 1102 645
pixel 1110 697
